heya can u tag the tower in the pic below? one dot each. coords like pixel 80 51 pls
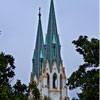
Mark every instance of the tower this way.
pixel 47 69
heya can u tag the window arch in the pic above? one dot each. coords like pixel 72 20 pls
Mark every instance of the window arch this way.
pixel 60 81
pixel 48 80
pixel 54 80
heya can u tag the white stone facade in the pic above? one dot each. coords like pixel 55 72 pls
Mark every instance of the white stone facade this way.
pixel 52 83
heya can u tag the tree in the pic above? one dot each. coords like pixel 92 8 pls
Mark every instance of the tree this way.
pixel 6 69
pixel 87 75
pixel 20 91
pixel 6 75
pixel 33 90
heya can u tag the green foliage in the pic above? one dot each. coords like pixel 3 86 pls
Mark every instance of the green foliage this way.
pixel 34 90
pixel 6 69
pixel 6 93
pixel 19 91
pixel 89 50
pixel 6 75
pixel 87 76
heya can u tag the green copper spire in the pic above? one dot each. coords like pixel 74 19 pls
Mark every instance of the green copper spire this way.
pixel 52 38
pixel 38 52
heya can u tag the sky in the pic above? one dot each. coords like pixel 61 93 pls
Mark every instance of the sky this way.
pixel 18 23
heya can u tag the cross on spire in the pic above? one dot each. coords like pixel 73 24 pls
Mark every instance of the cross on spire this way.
pixel 39 11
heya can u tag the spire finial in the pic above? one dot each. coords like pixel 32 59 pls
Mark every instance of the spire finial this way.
pixel 39 11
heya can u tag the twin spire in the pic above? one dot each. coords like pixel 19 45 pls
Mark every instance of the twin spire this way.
pixel 38 52
pixel 51 49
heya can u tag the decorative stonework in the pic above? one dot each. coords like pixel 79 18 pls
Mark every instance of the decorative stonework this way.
pixel 63 76
pixel 40 79
pixel 49 86
pixel 45 75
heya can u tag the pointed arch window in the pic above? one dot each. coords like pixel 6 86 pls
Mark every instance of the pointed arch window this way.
pixel 48 80
pixel 54 80
pixel 60 81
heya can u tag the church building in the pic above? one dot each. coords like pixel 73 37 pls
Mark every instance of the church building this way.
pixel 47 70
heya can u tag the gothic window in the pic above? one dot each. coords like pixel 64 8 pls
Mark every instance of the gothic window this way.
pixel 48 78
pixel 54 80
pixel 60 81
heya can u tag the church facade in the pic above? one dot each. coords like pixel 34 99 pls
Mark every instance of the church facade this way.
pixel 47 70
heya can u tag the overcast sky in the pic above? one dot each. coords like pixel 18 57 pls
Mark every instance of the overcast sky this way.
pixel 18 23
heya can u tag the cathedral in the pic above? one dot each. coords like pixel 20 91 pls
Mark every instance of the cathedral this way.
pixel 47 70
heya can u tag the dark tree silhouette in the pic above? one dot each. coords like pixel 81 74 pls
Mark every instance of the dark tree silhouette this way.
pixel 87 76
